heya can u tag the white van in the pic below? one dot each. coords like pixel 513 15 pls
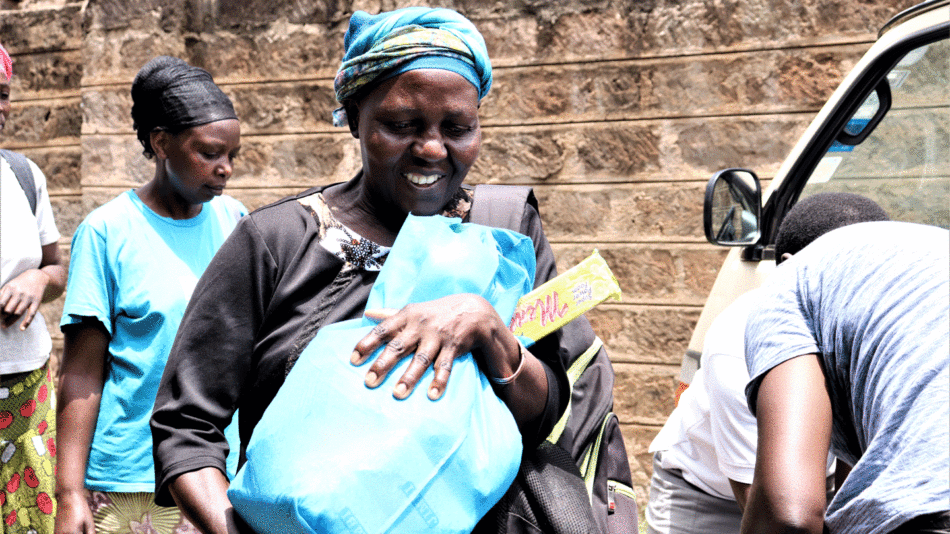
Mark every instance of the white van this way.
pixel 883 134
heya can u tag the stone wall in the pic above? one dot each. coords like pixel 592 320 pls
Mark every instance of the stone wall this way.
pixel 617 112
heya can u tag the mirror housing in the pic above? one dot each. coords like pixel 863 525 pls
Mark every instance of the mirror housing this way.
pixel 732 209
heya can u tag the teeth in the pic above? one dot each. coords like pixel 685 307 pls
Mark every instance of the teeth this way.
pixel 421 179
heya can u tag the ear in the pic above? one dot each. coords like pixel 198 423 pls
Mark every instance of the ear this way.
pixel 159 140
pixel 353 118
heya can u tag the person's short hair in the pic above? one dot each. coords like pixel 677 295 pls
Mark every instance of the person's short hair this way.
pixel 819 214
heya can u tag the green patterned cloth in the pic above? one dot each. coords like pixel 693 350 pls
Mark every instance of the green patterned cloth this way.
pixel 27 452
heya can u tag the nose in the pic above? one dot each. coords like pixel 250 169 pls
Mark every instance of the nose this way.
pixel 430 146
pixel 225 168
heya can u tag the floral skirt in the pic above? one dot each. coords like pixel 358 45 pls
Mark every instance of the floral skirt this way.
pixel 135 513
pixel 27 452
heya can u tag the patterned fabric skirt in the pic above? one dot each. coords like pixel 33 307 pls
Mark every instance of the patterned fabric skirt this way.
pixel 27 452
pixel 135 513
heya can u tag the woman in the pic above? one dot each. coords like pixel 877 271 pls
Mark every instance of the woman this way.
pixel 134 263
pixel 410 87
pixel 31 272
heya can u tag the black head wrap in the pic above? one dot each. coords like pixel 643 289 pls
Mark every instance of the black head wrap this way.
pixel 168 94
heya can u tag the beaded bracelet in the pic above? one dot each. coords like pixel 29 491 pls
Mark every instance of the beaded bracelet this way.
pixel 510 379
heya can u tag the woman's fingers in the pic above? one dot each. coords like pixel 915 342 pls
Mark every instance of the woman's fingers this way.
pixel 443 367
pixel 30 313
pixel 398 348
pixel 426 353
pixel 434 334
pixel 380 314
pixel 381 333
pixel 13 309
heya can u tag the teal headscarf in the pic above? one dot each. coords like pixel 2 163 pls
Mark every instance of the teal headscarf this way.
pixel 378 47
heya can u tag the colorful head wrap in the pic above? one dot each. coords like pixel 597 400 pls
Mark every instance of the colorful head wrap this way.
pixel 171 95
pixel 378 47
pixel 6 63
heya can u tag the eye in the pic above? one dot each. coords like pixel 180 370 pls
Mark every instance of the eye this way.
pixel 399 126
pixel 458 130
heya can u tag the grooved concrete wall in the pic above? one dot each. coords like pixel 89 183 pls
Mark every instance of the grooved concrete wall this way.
pixel 617 112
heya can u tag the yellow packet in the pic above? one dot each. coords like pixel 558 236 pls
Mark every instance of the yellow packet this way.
pixel 565 297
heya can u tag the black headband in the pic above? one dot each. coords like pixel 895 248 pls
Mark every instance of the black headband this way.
pixel 169 94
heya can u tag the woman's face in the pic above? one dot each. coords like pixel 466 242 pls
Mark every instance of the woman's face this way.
pixel 198 161
pixel 4 99
pixel 419 135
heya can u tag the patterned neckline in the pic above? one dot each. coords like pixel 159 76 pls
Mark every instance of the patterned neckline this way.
pixel 356 251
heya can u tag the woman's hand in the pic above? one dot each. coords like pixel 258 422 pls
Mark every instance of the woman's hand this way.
pixel 73 515
pixel 22 296
pixel 441 330
pixel 437 332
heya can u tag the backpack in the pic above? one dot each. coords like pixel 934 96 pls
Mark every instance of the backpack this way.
pixel 24 175
pixel 589 430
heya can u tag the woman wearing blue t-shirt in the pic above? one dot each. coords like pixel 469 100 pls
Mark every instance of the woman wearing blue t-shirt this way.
pixel 134 263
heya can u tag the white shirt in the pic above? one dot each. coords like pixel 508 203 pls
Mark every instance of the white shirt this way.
pixel 711 436
pixel 22 236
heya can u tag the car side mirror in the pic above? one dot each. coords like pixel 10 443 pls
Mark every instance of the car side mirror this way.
pixel 732 209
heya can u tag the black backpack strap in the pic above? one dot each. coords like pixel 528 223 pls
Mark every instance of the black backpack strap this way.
pixel 24 175
pixel 501 206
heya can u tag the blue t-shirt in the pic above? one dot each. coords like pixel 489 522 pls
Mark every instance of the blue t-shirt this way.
pixel 873 301
pixel 134 271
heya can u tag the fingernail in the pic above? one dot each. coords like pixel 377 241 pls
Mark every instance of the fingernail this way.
pixel 434 393
pixel 371 379
pixel 355 357
pixel 400 391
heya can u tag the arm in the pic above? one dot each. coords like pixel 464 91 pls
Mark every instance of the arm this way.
pixel 206 370
pixel 80 390
pixel 794 414
pixel 202 497
pixel 741 491
pixel 22 296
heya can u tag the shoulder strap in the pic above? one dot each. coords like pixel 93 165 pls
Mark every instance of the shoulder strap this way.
pixel 24 175
pixel 501 206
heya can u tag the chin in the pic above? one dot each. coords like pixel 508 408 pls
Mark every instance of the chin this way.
pixel 424 209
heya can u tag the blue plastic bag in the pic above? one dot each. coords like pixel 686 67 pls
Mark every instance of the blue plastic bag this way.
pixel 331 455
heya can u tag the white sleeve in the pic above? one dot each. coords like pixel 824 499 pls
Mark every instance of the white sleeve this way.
pixel 733 427
pixel 45 224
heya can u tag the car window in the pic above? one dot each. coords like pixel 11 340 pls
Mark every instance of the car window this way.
pixel 904 163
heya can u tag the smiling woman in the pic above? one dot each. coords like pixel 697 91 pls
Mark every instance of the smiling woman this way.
pixel 134 262
pixel 410 86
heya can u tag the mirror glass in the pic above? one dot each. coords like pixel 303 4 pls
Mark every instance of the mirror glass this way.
pixel 734 209
pixel 863 115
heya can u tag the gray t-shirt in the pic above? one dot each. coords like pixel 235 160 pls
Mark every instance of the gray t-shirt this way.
pixel 873 300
